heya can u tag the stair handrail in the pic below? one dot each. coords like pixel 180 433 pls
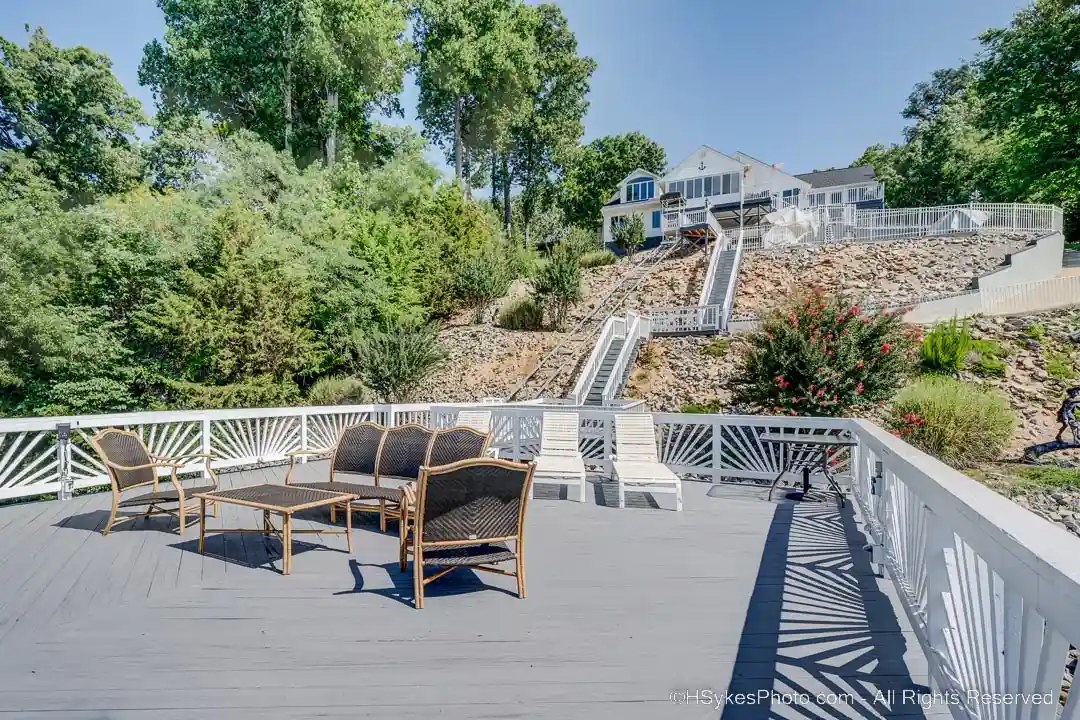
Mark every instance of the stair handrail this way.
pixel 719 246
pixel 637 327
pixel 733 279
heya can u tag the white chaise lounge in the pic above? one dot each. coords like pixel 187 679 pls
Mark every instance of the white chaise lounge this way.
pixel 636 464
pixel 559 461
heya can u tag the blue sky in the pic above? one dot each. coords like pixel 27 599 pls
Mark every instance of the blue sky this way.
pixel 804 84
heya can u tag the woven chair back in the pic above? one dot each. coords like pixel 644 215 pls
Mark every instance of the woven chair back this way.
pixel 473 501
pixel 123 447
pixel 457 443
pixel 357 450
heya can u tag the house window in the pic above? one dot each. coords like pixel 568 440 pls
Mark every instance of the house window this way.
pixel 853 194
pixel 709 185
pixel 728 183
pixel 836 197
pixel 791 198
pixel 616 221
pixel 656 219
pixel 639 190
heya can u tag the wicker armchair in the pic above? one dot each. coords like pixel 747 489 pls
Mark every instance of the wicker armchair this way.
pixel 356 453
pixel 405 450
pixel 447 447
pixel 130 464
pixel 467 515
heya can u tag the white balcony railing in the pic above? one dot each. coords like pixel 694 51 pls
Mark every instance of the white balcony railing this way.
pixel 989 587
pixel 685 320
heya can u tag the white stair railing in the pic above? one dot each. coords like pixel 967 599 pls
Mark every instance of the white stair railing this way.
pixel 722 243
pixel 733 281
pixel 595 359
pixel 637 329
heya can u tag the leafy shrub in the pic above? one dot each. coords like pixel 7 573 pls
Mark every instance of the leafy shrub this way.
pixel 558 284
pixel 959 423
pixel 819 355
pixel 337 390
pixel 709 407
pixel 581 241
pixel 523 313
pixel 394 362
pixel 718 348
pixel 986 356
pixel 629 235
pixel 945 348
pixel 1060 365
pixel 480 282
pixel 1035 331
pixel 597 258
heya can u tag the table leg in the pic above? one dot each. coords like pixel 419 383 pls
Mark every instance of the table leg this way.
pixel 266 522
pixel 806 481
pixel 286 543
pixel 776 482
pixel 202 524
pixel 348 522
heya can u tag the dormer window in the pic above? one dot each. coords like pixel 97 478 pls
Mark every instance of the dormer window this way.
pixel 640 189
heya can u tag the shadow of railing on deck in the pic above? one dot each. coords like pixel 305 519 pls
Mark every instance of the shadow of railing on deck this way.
pixel 817 624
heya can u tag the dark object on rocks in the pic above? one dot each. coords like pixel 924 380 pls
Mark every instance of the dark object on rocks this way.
pixel 1066 415
pixel 1075 337
pixel 1034 345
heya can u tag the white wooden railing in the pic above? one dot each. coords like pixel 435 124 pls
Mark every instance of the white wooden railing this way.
pixel 637 329
pixel 685 320
pixel 722 243
pixel 991 589
pixel 733 281
pixel 596 357
pixel 984 217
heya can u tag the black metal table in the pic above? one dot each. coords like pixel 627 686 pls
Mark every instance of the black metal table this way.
pixel 807 452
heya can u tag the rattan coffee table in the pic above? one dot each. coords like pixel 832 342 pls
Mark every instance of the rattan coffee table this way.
pixel 283 500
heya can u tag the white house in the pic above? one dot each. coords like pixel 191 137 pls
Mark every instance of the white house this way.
pixel 731 187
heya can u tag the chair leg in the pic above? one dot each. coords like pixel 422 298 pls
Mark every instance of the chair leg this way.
pixel 382 516
pixel 183 520
pixel 418 580
pixel 333 514
pixel 520 571
pixel 112 519
pixel 403 535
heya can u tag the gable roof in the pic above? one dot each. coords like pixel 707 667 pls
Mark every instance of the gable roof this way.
pixel 639 172
pixel 839 176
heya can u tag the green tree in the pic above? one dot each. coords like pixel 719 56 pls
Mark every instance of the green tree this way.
pixel 1030 79
pixel 629 235
pixel 63 109
pixel 303 74
pixel 394 362
pixel 550 129
pixel 476 75
pixel 558 284
pixel 594 172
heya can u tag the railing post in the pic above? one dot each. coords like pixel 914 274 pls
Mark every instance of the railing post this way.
pixel 204 433
pixel 937 554
pixel 63 461
pixel 516 419
pixel 717 448
pixel 303 434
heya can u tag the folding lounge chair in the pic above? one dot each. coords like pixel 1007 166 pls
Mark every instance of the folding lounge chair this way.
pixel 636 464
pixel 560 460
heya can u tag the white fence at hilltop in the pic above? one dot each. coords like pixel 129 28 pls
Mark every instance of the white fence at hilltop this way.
pixel 989 587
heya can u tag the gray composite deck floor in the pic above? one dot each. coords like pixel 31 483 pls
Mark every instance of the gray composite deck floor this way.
pixel 624 607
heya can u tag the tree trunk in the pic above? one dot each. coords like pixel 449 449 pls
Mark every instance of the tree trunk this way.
pixel 459 155
pixel 331 139
pixel 494 185
pixel 506 194
pixel 288 95
pixel 466 172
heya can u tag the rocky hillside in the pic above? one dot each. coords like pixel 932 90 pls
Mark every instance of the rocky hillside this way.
pixel 872 273
pixel 485 360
